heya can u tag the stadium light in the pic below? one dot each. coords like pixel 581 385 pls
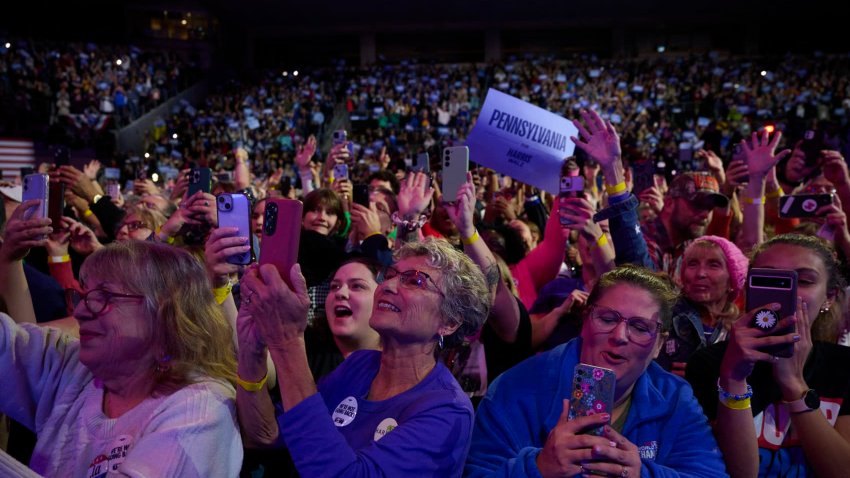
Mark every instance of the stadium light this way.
pixel 8 45
pixel 174 135
pixel 147 155
pixel 295 73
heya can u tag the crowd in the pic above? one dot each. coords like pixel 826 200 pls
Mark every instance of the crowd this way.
pixel 84 88
pixel 143 335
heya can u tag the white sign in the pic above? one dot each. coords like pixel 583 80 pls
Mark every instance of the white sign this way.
pixel 521 140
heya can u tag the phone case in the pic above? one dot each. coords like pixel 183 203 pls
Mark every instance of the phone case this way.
pixel 234 210
pixel 200 179
pixel 281 235
pixel 802 205
pixel 340 171
pixel 361 194
pixel 570 187
pixel 766 286
pixel 56 204
pixel 455 166
pixel 423 163
pixel 592 393
pixel 339 136
pixel 36 187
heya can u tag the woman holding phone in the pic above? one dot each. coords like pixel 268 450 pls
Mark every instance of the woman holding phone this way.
pixel 801 404
pixel 395 412
pixel 654 428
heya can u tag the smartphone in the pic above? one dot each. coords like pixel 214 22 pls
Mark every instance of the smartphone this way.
pixel 361 194
pixel 113 190
pixel 36 187
pixel 340 171
pixel 422 164
pixel 339 136
pixel 281 235
pixel 56 204
pixel 643 175
pixel 200 179
pixel 455 167
pixel 766 286
pixel 224 177
pixel 592 393
pixel 62 156
pixel 802 205
pixel 234 210
pixel 112 173
pixel 570 187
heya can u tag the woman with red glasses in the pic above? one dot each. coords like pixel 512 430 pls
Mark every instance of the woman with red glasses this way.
pixel 395 412
pixel 655 426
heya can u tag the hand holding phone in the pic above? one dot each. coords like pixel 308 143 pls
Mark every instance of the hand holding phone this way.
pixel 234 210
pixel 36 186
pixel 455 167
pixel 200 179
pixel 803 205
pixel 570 187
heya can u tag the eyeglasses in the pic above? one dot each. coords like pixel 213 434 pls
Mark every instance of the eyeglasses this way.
pixel 133 226
pixel 639 330
pixel 409 279
pixel 96 300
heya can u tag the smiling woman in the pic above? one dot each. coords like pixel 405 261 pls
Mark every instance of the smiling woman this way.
pixel 656 427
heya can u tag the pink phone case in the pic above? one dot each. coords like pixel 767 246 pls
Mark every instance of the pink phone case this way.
pixel 281 235
pixel 234 210
pixel 592 393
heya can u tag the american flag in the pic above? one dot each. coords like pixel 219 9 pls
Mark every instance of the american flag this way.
pixel 14 155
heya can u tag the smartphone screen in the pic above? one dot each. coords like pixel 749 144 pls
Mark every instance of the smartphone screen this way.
pixel 234 210
pixel 281 235
pixel 767 286
pixel 340 172
pixel 593 393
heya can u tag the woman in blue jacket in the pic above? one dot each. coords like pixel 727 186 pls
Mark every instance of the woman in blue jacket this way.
pixel 656 427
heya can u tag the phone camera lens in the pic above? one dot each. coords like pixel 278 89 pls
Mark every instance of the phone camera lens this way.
pixel 228 207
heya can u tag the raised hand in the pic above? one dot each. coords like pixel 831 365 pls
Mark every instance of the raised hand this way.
pixel 746 342
pixel 714 164
pixel 305 154
pixel 91 168
pixel 414 195
pixel 462 211
pixel 279 312
pixel 364 220
pixel 601 141
pixel 761 157
pixel 221 244
pixel 82 239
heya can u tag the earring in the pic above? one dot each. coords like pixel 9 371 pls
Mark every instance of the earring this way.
pixel 162 365
pixel 824 309
pixel 440 342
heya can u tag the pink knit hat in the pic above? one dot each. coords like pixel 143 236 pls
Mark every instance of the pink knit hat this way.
pixel 736 262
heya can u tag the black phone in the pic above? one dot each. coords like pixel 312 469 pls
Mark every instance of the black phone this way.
pixel 361 194
pixel 767 286
pixel 643 175
pixel 803 205
pixel 200 179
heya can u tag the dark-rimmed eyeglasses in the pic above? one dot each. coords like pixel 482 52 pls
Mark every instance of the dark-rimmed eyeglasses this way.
pixel 96 300
pixel 410 279
pixel 640 330
pixel 132 226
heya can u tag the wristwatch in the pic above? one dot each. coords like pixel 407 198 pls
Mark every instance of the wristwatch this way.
pixel 808 402
pixel 96 198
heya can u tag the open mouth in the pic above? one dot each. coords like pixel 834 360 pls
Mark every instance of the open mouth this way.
pixel 342 311
pixel 614 357
pixel 387 306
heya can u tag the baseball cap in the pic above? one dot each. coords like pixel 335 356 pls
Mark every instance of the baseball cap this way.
pixel 14 193
pixel 702 187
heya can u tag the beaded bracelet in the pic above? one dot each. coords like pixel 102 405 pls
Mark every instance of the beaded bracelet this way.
pixel 731 396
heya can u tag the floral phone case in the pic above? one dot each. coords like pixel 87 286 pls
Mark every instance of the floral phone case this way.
pixel 592 393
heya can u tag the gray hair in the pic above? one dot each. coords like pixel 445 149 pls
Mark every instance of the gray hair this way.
pixel 466 297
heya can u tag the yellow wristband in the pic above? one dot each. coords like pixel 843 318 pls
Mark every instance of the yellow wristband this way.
pixel 252 386
pixel 221 293
pixel 87 213
pixel 471 239
pixel 736 404
pixel 58 259
pixel 615 189
pixel 749 200
pixel 602 241
pixel 778 193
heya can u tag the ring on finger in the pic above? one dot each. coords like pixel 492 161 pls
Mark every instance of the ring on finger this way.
pixel 624 473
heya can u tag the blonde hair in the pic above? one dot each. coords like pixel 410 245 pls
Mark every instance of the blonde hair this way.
pixel 186 323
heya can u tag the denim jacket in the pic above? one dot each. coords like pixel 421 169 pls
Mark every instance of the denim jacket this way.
pixel 629 243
